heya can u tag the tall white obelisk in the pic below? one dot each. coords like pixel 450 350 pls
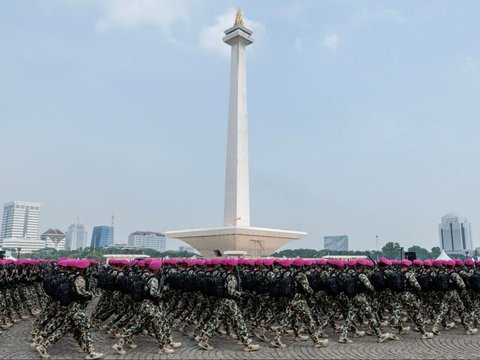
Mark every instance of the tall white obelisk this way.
pixel 236 233
pixel 237 196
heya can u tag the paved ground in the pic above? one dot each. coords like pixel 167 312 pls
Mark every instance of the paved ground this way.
pixel 14 344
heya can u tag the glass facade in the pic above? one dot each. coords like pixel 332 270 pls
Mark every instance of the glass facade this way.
pixel 102 237
pixel 337 243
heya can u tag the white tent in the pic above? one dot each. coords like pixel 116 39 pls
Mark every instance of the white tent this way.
pixel 443 256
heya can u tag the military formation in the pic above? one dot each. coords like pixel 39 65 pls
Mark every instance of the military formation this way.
pixel 243 299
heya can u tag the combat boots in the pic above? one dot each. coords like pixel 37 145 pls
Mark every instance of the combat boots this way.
pixel 166 351
pixel 131 344
pixel 344 340
pixel 93 356
pixel 301 338
pixel 320 343
pixel 118 347
pixel 174 344
pixel 278 343
pixel 427 335
pixel 203 343
pixel 251 347
pixel 42 351
pixel 383 337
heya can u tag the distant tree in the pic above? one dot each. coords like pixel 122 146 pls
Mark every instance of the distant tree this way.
pixel 420 252
pixel 392 250
pixel 304 253
pixel 435 252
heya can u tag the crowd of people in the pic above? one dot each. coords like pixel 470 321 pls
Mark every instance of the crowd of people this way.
pixel 243 299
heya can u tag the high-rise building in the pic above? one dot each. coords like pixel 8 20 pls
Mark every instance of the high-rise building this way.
pixel 147 240
pixel 20 226
pixel 455 234
pixel 102 236
pixel 54 238
pixel 336 243
pixel 20 220
pixel 76 237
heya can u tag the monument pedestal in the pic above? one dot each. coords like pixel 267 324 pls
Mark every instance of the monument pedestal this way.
pixel 211 242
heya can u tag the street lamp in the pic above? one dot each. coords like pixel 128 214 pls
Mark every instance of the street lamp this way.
pixel 18 252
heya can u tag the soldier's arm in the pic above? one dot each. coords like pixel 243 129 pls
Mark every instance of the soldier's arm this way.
pixel 232 286
pixel 81 287
pixel 364 279
pixel 302 279
pixel 459 281
pixel 412 280
pixel 154 288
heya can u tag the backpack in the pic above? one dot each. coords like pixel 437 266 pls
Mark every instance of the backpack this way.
pixel 260 282
pixel 247 280
pixel 282 286
pixel 315 281
pixel 350 285
pixel 123 283
pixel 378 280
pixel 425 281
pixel 474 281
pixel 396 280
pixel 138 288
pixel 51 284
pixel 332 285
pixel 442 281
pixel 64 293
pixel 103 279
pixel 214 286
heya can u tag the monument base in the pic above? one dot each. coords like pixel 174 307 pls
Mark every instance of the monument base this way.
pixel 212 242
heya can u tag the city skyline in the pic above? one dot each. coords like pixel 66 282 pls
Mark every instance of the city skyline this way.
pixel 356 112
pixel 77 227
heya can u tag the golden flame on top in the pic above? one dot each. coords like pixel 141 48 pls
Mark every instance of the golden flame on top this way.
pixel 239 18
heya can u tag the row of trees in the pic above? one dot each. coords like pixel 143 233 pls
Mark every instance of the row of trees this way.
pixel 98 253
pixel 391 250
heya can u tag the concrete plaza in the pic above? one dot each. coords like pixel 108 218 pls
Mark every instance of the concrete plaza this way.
pixel 452 344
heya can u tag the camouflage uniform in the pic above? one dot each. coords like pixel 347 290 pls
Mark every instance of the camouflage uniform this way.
pixel 360 304
pixel 228 310
pixel 451 300
pixel 409 303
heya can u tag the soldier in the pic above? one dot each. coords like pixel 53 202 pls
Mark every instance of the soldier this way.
pixel 360 284
pixel 76 319
pixel 406 289
pixel 149 315
pixel 228 309
pixel 297 305
pixel 450 298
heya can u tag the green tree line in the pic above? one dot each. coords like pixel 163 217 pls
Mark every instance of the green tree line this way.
pixel 98 253
pixel 390 250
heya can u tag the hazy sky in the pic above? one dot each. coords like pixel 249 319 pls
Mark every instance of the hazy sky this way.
pixel 363 115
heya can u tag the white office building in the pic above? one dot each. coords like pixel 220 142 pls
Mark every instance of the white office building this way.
pixel 20 226
pixel 455 235
pixel 54 238
pixel 20 220
pixel 76 237
pixel 147 240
